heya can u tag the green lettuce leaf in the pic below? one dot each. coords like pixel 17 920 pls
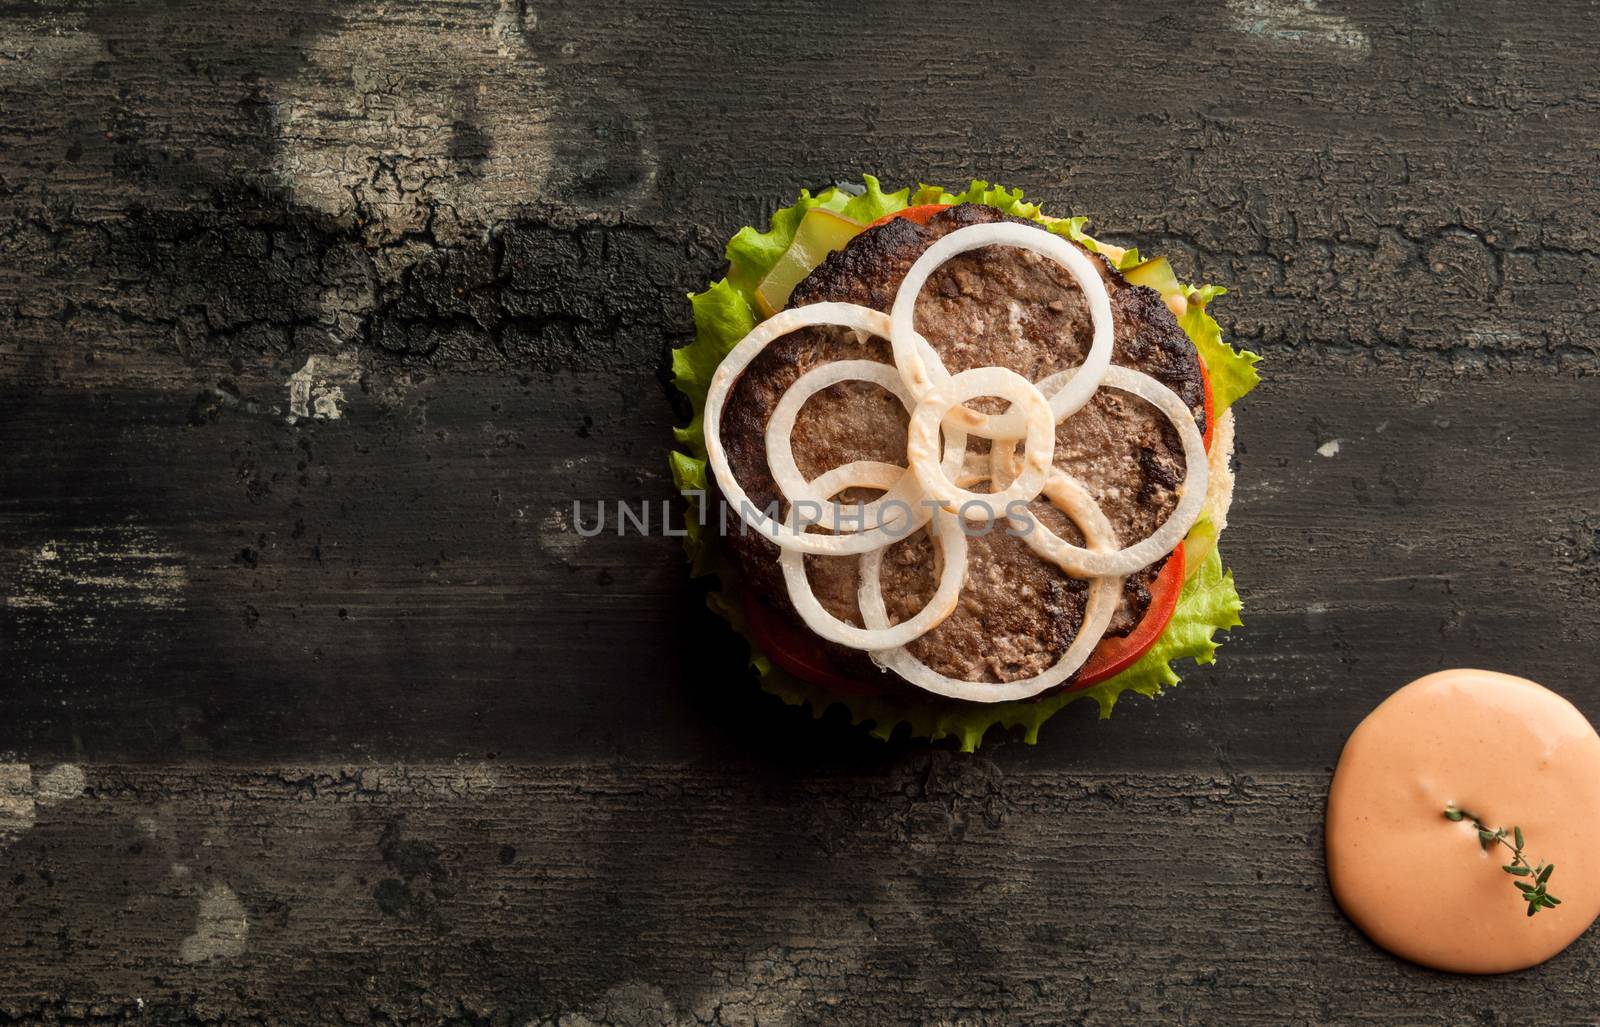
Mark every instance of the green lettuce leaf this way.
pixel 1208 603
pixel 1007 201
pixel 726 311
pixel 721 319
pixel 1233 372
pixel 1012 202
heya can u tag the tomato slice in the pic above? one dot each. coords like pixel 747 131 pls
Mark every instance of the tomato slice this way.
pixel 1115 655
pixel 920 214
pixel 1211 405
pixel 796 650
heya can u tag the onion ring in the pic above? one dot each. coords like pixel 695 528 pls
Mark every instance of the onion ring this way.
pixel 923 436
pixel 903 494
pixel 1104 593
pixel 1087 563
pixel 921 367
pixel 949 538
pixel 845 315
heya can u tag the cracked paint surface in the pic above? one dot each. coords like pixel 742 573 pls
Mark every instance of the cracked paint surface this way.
pixel 220 930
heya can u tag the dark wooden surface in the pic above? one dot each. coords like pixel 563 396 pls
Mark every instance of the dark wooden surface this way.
pixel 332 722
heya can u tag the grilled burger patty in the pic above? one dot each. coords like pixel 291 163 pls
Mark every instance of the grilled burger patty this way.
pixel 994 306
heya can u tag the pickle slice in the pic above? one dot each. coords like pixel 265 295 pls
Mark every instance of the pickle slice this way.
pixel 1157 274
pixel 821 232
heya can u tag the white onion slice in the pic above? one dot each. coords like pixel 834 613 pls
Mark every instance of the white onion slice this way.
pixel 1003 469
pixel 921 367
pixel 1103 597
pixel 923 440
pixel 948 537
pixel 1086 563
pixel 847 315
pixel 904 494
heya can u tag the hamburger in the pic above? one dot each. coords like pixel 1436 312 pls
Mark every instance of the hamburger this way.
pixel 955 462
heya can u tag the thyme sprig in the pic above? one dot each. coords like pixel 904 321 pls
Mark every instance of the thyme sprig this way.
pixel 1534 892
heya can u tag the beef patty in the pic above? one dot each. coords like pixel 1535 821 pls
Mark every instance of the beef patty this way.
pixel 993 306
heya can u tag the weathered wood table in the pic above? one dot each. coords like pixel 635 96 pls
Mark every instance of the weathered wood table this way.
pixel 318 316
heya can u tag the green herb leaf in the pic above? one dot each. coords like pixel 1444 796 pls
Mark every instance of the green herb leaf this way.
pixel 1533 893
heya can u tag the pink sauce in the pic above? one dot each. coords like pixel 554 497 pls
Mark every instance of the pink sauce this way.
pixel 1506 750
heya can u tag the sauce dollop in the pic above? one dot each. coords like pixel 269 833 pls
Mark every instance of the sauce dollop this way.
pixel 1510 752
